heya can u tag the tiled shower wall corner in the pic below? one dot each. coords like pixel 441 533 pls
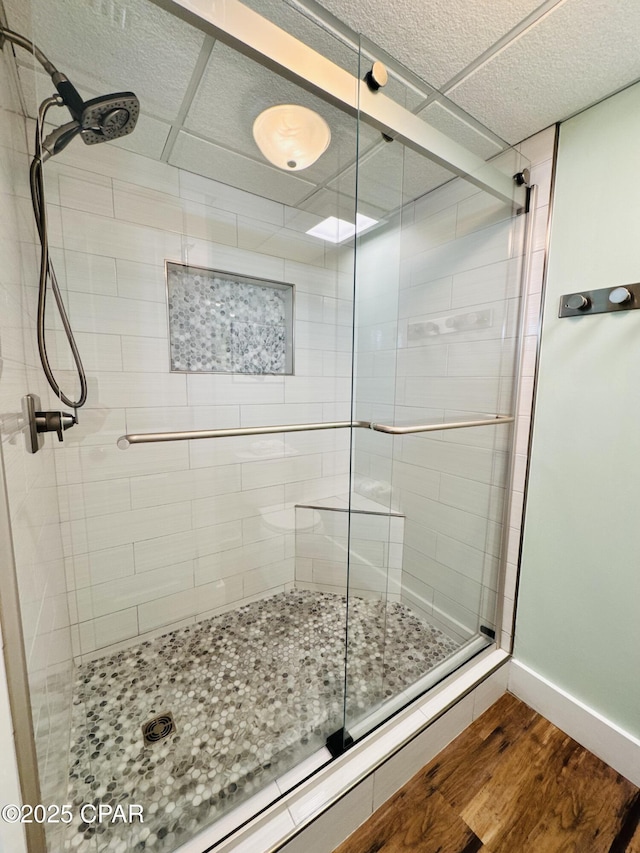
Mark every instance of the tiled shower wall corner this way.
pixel 31 479
pixel 162 534
pixel 450 257
pixel 373 541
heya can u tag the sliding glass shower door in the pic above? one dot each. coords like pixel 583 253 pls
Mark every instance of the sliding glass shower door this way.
pixel 437 325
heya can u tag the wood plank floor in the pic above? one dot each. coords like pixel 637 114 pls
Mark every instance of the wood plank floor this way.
pixel 511 783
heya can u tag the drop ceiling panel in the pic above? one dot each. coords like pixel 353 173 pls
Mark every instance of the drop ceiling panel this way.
pixel 212 161
pixel 234 90
pixel 391 175
pixel 578 54
pixel 435 40
pixel 380 176
pixel 106 47
pixel 280 242
pixel 325 203
pixel 421 175
pixel 147 139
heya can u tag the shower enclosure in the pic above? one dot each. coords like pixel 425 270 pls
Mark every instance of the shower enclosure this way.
pixel 280 516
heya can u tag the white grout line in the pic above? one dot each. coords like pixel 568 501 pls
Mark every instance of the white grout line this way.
pixel 190 92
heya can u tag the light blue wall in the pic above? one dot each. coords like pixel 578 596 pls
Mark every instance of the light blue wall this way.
pixel 578 620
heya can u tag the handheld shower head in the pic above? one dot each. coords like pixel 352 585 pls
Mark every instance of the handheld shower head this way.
pixel 99 120
pixel 109 117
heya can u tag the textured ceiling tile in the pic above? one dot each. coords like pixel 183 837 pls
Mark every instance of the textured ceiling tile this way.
pixel 204 158
pixel 421 175
pixel 575 56
pixel 435 40
pixel 148 137
pixel 380 176
pixel 326 202
pixel 294 246
pixel 235 90
pixel 131 46
pixel 392 175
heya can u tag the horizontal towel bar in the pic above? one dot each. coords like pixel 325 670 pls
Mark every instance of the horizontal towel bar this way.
pixel 126 441
pixel 407 430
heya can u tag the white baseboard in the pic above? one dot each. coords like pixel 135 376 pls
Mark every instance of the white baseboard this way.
pixel 616 747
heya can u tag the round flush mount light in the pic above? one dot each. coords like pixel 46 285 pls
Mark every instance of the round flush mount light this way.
pixel 290 136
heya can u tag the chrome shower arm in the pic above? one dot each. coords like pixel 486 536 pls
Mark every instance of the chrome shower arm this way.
pixel 21 41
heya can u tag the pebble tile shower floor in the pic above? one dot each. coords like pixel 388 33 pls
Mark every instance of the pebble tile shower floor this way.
pixel 253 692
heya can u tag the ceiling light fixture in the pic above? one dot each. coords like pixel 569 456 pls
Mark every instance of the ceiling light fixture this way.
pixel 336 230
pixel 290 136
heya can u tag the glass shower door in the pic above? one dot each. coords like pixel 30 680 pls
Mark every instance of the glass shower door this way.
pixel 205 579
pixel 437 316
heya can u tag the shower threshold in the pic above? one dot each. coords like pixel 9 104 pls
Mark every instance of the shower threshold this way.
pixel 252 692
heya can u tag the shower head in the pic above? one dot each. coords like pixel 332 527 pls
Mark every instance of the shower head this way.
pixel 108 117
pixel 98 120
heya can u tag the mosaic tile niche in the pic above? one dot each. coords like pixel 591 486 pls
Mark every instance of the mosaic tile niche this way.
pixel 220 322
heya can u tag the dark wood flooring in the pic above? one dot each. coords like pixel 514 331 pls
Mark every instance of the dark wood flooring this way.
pixel 511 783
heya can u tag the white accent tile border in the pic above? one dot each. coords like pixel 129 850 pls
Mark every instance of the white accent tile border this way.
pixel 328 807
pixel 614 745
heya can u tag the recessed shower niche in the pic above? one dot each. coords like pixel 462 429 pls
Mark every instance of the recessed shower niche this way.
pixel 220 322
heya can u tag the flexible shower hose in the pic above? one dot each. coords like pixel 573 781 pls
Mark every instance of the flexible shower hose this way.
pixel 47 272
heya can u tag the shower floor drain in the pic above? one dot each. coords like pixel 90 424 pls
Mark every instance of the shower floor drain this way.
pixel 158 729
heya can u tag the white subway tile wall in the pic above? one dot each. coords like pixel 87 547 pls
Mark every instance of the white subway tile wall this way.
pixel 437 303
pixel 31 479
pixel 161 535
